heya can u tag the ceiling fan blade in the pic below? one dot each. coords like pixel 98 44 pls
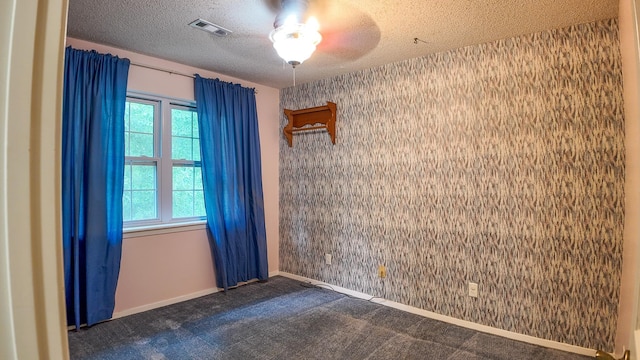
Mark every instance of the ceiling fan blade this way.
pixel 349 45
pixel 340 38
pixel 273 5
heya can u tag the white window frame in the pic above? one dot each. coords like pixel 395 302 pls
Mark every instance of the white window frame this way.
pixel 164 165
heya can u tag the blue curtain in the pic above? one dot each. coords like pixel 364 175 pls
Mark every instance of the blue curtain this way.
pixel 232 180
pixel 95 88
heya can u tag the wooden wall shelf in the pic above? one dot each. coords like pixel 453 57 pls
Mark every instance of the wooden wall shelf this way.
pixel 299 120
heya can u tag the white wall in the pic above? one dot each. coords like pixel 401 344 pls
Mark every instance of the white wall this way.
pixel 162 267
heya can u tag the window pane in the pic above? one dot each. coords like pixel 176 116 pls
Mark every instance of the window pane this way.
pixel 182 178
pixel 126 116
pixel 141 116
pixel 196 133
pixel 126 144
pixel 198 203
pixel 188 199
pixel 139 200
pixel 139 129
pixel 181 123
pixel 182 204
pixel 197 178
pixel 143 205
pixel 143 177
pixel 140 144
pixel 127 177
pixel 196 149
pixel 126 206
pixel 182 148
pixel 184 133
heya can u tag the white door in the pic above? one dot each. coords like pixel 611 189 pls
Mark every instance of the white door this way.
pixel 634 10
pixel 32 35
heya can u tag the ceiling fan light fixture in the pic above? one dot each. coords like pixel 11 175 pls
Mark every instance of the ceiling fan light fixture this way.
pixel 295 42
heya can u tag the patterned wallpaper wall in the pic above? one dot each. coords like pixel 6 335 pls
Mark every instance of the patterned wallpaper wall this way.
pixel 501 164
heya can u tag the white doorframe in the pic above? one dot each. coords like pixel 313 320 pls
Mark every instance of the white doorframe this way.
pixel 32 315
pixel 634 341
pixel 629 306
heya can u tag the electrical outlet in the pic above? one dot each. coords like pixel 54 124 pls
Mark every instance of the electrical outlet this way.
pixel 327 259
pixel 382 271
pixel 473 289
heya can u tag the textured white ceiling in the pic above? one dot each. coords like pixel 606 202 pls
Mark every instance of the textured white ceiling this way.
pixel 357 34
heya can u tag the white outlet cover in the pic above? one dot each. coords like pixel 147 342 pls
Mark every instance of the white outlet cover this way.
pixel 473 289
pixel 327 259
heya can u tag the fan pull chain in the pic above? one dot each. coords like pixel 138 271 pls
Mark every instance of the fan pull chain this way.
pixel 294 76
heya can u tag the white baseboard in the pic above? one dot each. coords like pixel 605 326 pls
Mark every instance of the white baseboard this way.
pixel 175 300
pixel 162 303
pixel 451 320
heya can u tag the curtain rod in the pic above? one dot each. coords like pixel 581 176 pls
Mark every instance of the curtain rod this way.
pixel 170 71
pixel 163 70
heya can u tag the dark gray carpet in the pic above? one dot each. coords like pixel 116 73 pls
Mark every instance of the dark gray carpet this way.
pixel 287 319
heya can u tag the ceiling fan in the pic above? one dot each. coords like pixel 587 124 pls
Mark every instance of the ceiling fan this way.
pixel 293 39
pixel 333 27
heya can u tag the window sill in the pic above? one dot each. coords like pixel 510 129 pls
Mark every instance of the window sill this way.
pixel 159 229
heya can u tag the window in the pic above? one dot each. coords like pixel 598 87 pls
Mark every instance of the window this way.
pixel 140 198
pixel 187 196
pixel 163 177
